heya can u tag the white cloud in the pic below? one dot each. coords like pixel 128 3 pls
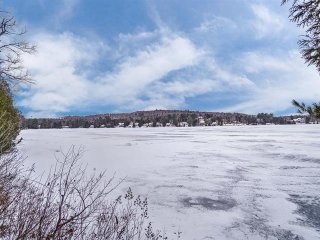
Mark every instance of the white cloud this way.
pixel 215 23
pixel 170 95
pixel 67 8
pixel 162 71
pixel 138 81
pixel 139 36
pixel 60 85
pixel 136 73
pixel 255 62
pixel 204 77
pixel 162 74
pixel 279 79
pixel 189 88
pixel 266 22
pixel 147 69
pixel 231 80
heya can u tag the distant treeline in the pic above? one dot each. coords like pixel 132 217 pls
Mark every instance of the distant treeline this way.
pixel 159 118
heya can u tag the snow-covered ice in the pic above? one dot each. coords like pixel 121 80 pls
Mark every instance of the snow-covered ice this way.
pixel 241 182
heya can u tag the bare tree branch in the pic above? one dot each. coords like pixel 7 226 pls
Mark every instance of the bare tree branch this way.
pixel 12 48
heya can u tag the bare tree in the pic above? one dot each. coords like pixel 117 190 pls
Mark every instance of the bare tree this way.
pixel 12 46
pixel 69 204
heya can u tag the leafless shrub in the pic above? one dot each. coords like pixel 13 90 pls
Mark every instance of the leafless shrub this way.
pixel 69 204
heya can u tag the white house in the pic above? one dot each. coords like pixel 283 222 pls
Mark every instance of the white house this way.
pixel 214 124
pixel 299 120
pixel 183 124
pixel 201 121
pixel 159 124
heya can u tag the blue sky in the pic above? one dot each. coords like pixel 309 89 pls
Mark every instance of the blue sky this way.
pixel 97 56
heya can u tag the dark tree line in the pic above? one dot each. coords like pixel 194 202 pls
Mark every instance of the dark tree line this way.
pixel 191 119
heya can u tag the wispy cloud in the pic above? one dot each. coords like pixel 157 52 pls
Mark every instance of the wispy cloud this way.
pixel 279 78
pixel 56 68
pixel 62 82
pixel 266 22
pixel 162 74
pixel 215 23
pixel 65 11
pixel 170 62
pixel 135 73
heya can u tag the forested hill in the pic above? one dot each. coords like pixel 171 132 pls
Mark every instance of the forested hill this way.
pixel 158 118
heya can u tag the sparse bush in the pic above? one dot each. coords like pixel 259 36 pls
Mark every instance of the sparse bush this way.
pixel 69 204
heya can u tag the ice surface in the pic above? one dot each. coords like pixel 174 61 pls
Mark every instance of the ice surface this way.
pixel 235 182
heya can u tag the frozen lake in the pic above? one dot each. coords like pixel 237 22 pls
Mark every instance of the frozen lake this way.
pixel 237 182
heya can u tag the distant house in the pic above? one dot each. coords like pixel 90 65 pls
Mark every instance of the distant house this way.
pixel 214 124
pixel 299 120
pixel 289 121
pixel 183 124
pixel 150 124
pixel 121 124
pixel 237 123
pixel 65 126
pixel 159 124
pixel 201 121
